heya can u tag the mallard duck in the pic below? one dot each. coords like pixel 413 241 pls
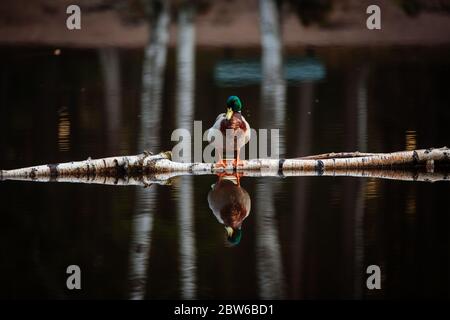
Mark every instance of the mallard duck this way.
pixel 230 204
pixel 235 123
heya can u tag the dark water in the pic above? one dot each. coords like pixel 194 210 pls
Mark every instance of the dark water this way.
pixel 304 238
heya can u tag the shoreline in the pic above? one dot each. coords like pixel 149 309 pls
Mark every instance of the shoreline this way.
pixel 220 25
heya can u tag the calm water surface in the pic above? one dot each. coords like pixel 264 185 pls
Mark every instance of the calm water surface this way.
pixel 309 237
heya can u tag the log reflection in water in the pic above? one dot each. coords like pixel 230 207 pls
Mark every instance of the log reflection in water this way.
pixel 165 178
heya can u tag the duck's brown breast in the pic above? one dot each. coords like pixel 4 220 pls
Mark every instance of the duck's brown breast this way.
pixel 236 122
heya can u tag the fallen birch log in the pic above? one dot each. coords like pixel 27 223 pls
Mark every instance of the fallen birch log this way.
pixel 128 170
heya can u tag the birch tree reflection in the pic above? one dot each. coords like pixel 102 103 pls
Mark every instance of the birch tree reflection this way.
pixel 110 66
pixel 149 139
pixel 269 264
pixel 185 78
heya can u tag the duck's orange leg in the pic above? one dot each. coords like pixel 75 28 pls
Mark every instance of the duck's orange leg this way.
pixel 238 178
pixel 220 162
pixel 237 175
pixel 238 162
pixel 221 175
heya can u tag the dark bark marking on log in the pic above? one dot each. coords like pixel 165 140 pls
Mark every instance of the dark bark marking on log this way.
pixel 120 169
pixel 415 157
pixel 446 155
pixel 126 164
pixel 137 169
pixel 123 169
pixel 280 164
pixel 319 167
pixel 53 171
pixel 150 167
pixel 33 173
pixel 94 171
pixel 280 167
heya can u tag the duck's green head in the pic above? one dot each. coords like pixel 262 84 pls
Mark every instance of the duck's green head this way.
pixel 234 236
pixel 234 104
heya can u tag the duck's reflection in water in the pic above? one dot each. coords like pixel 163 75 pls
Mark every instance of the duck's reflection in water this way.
pixel 231 204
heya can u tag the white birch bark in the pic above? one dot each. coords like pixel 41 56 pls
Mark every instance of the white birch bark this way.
pixel 161 163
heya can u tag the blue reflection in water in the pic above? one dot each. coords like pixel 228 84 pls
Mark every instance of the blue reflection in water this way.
pixel 247 72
